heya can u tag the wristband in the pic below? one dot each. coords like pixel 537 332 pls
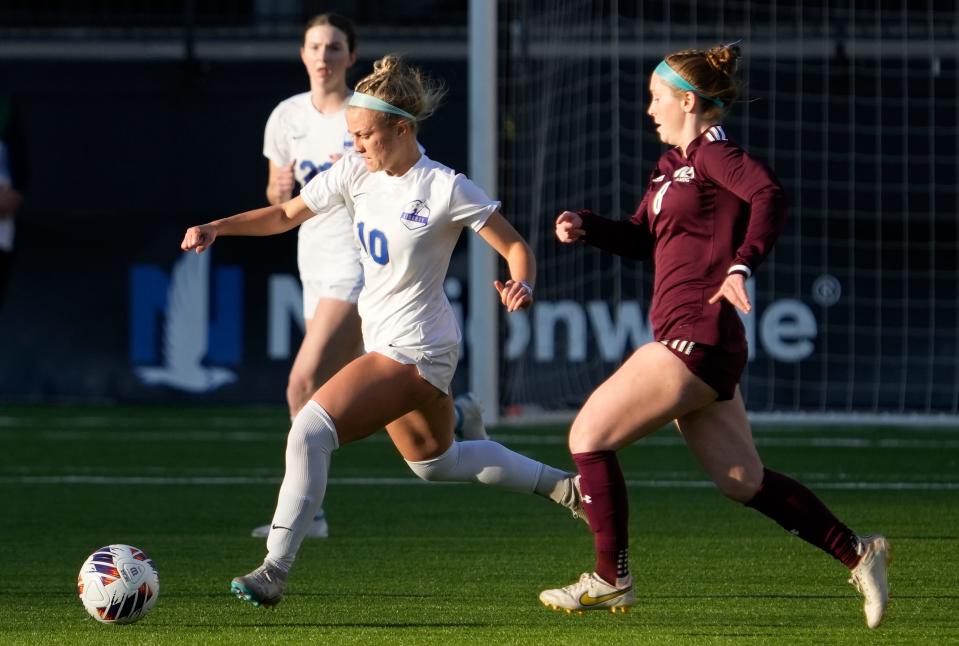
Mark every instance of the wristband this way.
pixel 529 288
pixel 740 269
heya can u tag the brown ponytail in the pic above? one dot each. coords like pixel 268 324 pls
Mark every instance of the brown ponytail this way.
pixel 712 72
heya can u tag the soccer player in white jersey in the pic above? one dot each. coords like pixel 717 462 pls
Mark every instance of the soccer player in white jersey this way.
pixel 305 135
pixel 408 212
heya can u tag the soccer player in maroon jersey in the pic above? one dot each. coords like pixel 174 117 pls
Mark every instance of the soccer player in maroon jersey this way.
pixel 710 215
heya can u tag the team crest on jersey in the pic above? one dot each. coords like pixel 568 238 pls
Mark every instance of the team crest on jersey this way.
pixel 685 174
pixel 415 215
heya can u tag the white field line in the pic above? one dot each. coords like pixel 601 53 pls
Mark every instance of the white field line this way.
pixel 511 439
pixel 246 480
pixel 763 441
pixel 242 423
pixel 123 423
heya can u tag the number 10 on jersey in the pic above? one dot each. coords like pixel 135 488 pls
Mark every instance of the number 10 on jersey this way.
pixel 376 246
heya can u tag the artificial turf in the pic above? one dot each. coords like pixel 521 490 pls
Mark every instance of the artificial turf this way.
pixel 415 563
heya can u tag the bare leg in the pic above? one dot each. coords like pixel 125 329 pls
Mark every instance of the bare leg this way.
pixel 650 389
pixel 332 340
pixel 720 438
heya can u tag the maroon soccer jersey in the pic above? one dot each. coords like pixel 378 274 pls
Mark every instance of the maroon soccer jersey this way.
pixel 701 215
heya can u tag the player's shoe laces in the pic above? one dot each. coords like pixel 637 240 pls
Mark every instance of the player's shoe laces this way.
pixel 264 586
pixel 471 418
pixel 591 593
pixel 319 528
pixel 869 576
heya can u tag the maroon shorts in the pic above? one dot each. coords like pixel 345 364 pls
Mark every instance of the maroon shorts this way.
pixel 719 368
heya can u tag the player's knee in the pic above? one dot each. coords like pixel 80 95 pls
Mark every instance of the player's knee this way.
pixel 299 389
pixel 579 433
pixel 740 484
pixel 312 430
pixel 438 469
pixel 586 435
pixel 300 384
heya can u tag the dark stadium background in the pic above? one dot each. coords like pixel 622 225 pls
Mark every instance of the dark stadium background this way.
pixel 126 151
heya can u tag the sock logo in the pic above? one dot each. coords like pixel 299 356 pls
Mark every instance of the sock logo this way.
pixel 280 527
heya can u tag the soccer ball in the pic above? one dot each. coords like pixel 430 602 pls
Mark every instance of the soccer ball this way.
pixel 118 584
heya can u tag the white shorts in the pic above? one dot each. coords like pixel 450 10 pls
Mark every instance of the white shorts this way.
pixel 341 288
pixel 436 368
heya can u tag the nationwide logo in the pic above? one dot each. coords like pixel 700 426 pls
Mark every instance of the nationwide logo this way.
pixel 415 215
pixel 684 174
pixel 173 341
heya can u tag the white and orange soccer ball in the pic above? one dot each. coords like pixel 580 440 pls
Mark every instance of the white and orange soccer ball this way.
pixel 118 584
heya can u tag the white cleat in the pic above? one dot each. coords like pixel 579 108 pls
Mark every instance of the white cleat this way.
pixel 264 586
pixel 591 593
pixel 471 418
pixel 576 505
pixel 319 528
pixel 869 576
pixel 567 494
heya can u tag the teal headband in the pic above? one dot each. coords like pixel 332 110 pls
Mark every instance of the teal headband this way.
pixel 360 100
pixel 668 74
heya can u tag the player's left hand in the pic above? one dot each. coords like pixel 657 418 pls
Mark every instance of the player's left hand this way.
pixel 514 294
pixel 733 290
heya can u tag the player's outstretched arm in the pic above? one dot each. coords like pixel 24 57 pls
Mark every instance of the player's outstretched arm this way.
pixel 517 292
pixel 267 221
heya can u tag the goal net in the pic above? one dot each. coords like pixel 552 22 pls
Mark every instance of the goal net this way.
pixel 854 107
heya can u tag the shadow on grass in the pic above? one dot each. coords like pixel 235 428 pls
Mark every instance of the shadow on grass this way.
pixel 794 596
pixel 749 596
pixel 333 624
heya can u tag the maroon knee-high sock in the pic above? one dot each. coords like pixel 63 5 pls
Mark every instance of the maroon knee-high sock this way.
pixel 607 506
pixel 800 512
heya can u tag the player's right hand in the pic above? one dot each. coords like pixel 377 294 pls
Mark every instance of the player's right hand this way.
pixel 198 238
pixel 569 227
pixel 284 180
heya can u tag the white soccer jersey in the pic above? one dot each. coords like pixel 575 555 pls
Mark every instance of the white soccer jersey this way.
pixel 298 132
pixel 407 227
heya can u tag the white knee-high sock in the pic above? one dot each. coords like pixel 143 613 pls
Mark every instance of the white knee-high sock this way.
pixel 319 512
pixel 311 440
pixel 490 463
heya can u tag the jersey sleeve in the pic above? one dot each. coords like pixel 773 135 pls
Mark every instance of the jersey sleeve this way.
pixel 730 167
pixel 276 145
pixel 628 238
pixel 331 188
pixel 621 237
pixel 469 204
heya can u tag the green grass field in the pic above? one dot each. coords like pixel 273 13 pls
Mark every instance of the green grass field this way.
pixel 414 563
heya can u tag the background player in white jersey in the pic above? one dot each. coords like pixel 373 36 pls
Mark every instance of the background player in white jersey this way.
pixel 305 135
pixel 408 212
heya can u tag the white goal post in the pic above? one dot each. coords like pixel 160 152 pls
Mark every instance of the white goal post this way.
pixel 483 325
pixel 856 316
